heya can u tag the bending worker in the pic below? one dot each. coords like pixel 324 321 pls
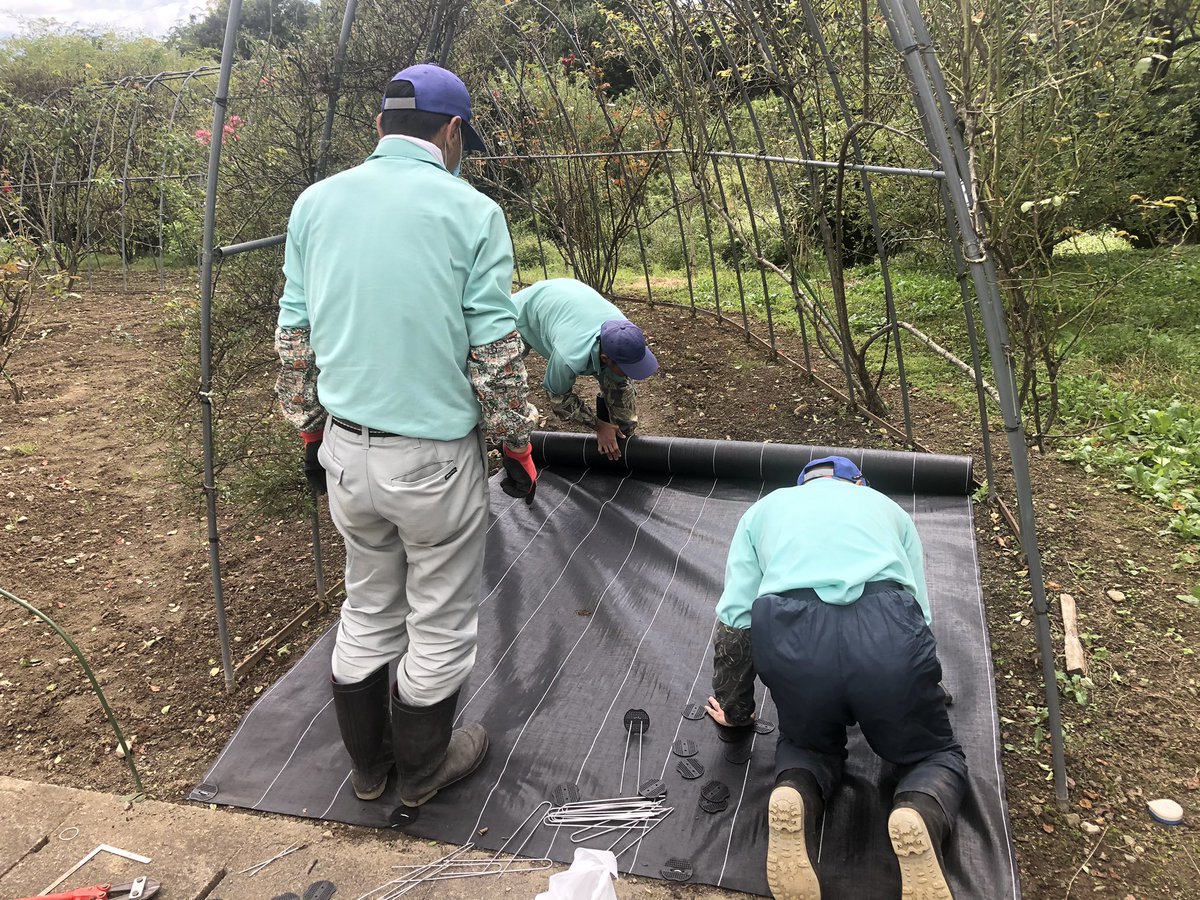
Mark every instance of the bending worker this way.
pixel 578 332
pixel 397 308
pixel 825 600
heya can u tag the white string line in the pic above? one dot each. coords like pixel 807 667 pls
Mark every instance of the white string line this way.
pixel 700 668
pixel 336 794
pixel 288 761
pixel 537 608
pixel 633 659
pixel 262 700
pixel 991 683
pixel 591 619
pixel 502 512
pixel 255 708
pixel 741 796
pixel 534 538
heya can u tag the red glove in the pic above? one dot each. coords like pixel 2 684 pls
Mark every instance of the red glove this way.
pixel 520 474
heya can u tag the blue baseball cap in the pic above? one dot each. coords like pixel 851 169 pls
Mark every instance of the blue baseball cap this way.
pixel 623 343
pixel 842 468
pixel 437 90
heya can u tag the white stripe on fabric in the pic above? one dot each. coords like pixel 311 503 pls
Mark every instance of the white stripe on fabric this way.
pixel 537 608
pixel 336 794
pixel 291 755
pixel 578 641
pixel 517 558
pixel 255 708
pixel 991 683
pixel 741 797
pixel 633 660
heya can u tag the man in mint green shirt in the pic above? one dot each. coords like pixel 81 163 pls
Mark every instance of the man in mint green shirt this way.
pixel 400 358
pixel 578 332
pixel 825 601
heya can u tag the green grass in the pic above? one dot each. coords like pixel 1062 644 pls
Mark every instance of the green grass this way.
pixel 1129 387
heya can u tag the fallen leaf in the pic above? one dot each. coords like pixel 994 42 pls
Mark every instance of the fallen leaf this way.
pixel 1048 828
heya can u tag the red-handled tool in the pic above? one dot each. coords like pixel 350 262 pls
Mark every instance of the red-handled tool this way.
pixel 138 889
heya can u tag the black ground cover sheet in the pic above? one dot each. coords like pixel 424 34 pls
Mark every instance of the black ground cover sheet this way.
pixel 598 599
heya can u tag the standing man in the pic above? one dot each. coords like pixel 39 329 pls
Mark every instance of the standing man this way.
pixel 397 308
pixel 825 599
pixel 580 333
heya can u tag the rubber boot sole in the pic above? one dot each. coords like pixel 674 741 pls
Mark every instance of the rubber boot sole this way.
pixel 373 790
pixel 425 798
pixel 921 875
pixel 790 872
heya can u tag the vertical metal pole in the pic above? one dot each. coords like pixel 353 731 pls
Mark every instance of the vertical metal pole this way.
pixel 940 129
pixel 335 91
pixel 220 102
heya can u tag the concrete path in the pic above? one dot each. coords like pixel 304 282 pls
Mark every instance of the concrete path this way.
pixel 196 852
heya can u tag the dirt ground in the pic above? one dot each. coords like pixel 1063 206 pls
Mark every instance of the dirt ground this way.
pixel 94 536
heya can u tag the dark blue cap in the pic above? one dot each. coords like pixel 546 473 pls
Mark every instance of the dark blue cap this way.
pixel 842 468
pixel 623 343
pixel 437 90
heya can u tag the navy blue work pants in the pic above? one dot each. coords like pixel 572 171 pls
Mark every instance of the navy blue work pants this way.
pixel 873 662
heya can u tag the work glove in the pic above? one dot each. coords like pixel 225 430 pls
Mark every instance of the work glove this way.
pixel 520 475
pixel 314 472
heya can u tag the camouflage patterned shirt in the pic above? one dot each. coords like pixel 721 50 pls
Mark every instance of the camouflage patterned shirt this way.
pixel 496 370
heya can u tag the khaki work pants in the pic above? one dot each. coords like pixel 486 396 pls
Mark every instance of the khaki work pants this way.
pixel 413 514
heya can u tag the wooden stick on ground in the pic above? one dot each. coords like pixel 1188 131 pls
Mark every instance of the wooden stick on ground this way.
pixel 1076 663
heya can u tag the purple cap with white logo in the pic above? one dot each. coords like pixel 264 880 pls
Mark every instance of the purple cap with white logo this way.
pixel 623 343
pixel 835 466
pixel 437 90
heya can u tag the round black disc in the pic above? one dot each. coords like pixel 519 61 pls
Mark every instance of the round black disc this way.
pixel 689 769
pixel 715 791
pixel 693 711
pixel 403 816
pixel 654 789
pixel 763 726
pixel 685 747
pixel 637 721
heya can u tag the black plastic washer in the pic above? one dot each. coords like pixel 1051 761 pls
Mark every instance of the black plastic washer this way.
pixel 763 726
pixel 689 769
pixel 713 808
pixel 654 789
pixel 715 791
pixel 637 721
pixel 685 747
pixel 677 869
pixel 320 890
pixel 693 711
pixel 205 791
pixel 565 793
pixel 403 816
pixel 739 754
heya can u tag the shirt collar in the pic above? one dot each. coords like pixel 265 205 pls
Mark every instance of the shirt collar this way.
pixel 432 149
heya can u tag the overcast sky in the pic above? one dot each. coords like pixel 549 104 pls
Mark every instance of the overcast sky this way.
pixel 154 17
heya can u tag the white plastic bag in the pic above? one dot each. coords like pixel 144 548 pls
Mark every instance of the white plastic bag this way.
pixel 589 878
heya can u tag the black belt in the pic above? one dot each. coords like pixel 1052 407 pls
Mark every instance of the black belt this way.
pixel 358 429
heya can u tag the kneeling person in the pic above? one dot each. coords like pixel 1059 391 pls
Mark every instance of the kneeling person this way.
pixel 580 333
pixel 825 600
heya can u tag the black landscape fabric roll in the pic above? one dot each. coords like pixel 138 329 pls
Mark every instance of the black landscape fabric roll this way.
pixel 598 601
pixel 890 471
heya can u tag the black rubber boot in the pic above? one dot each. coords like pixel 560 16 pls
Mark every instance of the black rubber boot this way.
pixel 918 828
pixel 362 714
pixel 795 809
pixel 430 752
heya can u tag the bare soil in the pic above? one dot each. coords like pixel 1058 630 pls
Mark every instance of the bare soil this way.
pixel 97 536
